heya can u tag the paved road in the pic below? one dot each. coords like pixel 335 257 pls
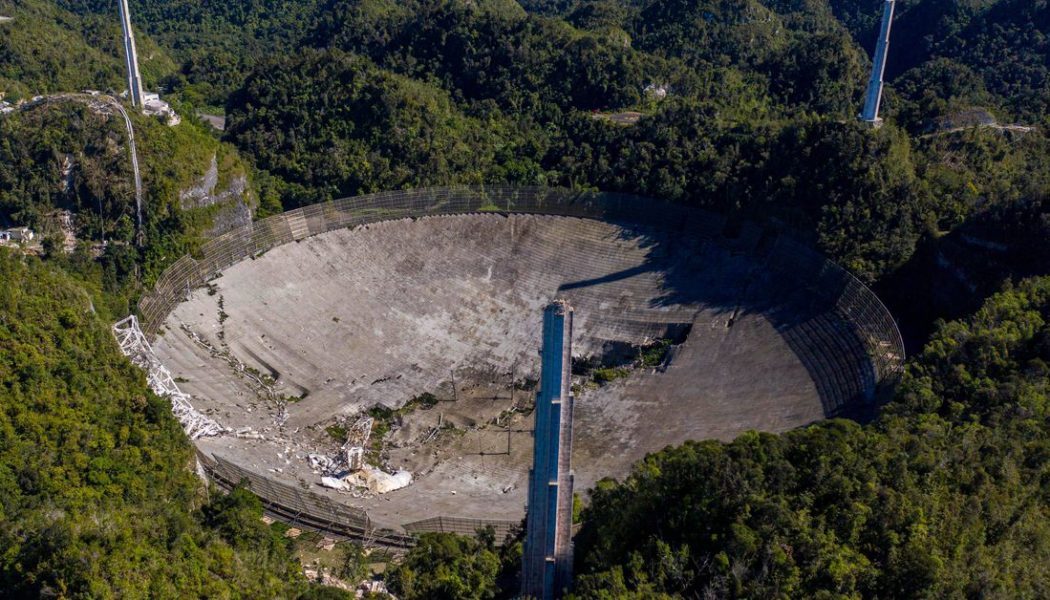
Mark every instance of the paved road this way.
pixel 1014 128
pixel 621 118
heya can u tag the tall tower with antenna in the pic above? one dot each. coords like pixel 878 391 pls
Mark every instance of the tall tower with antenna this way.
pixel 878 68
pixel 131 56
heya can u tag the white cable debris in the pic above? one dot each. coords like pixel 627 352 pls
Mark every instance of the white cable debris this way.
pixel 135 346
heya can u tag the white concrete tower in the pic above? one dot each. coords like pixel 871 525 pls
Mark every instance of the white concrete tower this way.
pixel 131 56
pixel 878 68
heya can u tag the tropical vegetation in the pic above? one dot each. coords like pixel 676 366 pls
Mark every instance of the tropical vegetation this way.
pixel 746 107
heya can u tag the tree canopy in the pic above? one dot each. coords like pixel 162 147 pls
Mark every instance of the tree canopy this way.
pixel 97 497
pixel 944 495
pixel 746 107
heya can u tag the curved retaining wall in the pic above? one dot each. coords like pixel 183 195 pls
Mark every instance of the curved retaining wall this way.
pixel 308 510
pixel 851 346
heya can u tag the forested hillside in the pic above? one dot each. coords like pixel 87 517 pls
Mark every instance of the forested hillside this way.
pixel 747 107
pixel 1001 43
pixel 215 43
pixel 946 495
pixel 97 493
pixel 46 49
pixel 69 155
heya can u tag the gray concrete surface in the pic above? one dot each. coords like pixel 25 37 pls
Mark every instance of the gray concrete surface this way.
pixel 382 313
pixel 218 122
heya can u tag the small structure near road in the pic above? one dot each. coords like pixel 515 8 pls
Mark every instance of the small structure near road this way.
pixel 372 586
pixel 654 91
pixel 16 236
pixel 152 105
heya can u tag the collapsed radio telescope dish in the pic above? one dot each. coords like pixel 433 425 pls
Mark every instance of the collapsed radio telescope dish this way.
pixel 419 308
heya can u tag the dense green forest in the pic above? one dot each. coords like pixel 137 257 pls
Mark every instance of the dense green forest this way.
pixel 98 498
pixel 747 107
pixel 45 49
pixel 946 495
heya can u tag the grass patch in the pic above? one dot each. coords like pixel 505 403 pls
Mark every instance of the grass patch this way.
pixel 424 401
pixel 266 378
pixel 337 432
pixel 527 384
pixel 617 363
pixel 384 418
pixel 609 374
pixel 654 354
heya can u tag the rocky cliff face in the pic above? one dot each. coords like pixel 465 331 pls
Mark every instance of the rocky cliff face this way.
pixel 230 204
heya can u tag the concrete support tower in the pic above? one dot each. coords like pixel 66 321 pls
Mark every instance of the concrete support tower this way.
pixel 131 56
pixel 547 556
pixel 874 98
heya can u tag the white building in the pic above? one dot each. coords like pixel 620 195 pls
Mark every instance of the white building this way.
pixel 153 105
pixel 656 92
pixel 16 235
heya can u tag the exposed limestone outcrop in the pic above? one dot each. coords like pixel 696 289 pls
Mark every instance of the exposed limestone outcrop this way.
pixel 234 200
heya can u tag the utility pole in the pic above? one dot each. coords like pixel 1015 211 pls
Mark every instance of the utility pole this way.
pixel 878 68
pixel 131 57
